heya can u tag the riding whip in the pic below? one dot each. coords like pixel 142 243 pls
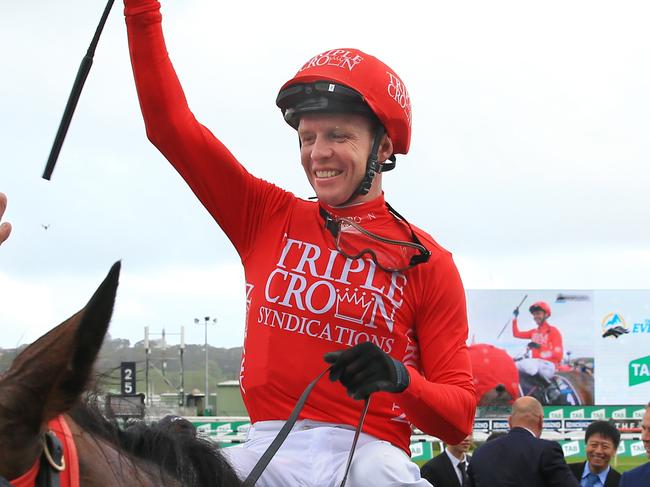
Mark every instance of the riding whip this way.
pixel 517 308
pixel 75 93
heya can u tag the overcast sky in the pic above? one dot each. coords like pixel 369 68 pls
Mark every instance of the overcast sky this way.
pixel 529 158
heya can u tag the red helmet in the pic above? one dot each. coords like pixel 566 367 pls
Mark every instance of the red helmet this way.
pixel 323 85
pixel 492 367
pixel 540 306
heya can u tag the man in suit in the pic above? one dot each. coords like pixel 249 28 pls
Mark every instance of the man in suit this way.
pixel 521 458
pixel 601 441
pixel 640 476
pixel 449 469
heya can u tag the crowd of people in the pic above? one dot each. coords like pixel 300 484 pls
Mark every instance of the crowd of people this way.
pixel 521 458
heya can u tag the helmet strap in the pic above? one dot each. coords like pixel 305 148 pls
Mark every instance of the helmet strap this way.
pixel 373 167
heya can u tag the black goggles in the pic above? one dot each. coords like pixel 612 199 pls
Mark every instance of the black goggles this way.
pixel 321 96
pixel 353 241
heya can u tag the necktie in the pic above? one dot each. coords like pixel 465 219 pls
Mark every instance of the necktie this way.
pixel 462 466
pixel 591 480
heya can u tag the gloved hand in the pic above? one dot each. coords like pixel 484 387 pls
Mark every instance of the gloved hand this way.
pixel 515 312
pixel 366 368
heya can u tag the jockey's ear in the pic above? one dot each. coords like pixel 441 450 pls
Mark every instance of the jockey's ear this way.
pixel 47 378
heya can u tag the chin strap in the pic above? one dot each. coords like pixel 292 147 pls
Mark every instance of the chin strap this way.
pixel 373 167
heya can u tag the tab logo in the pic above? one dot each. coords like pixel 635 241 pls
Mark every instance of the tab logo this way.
pixel 598 414
pixel 224 429
pixel 417 449
pixel 639 371
pixel 619 414
pixel 637 448
pixel 556 414
pixel 204 430
pixel 571 448
pixel 578 414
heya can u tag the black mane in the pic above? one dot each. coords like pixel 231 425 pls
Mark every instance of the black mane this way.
pixel 179 453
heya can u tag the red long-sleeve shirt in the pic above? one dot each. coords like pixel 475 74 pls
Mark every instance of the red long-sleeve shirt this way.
pixel 303 297
pixel 547 336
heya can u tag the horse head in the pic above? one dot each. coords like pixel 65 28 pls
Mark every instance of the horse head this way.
pixel 46 381
pixel 48 377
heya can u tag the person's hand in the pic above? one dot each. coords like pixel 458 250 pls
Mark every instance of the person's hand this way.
pixel 534 345
pixel 365 368
pixel 515 312
pixel 5 228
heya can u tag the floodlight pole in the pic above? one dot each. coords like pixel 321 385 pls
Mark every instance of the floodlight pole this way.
pixel 182 371
pixel 206 321
pixel 147 351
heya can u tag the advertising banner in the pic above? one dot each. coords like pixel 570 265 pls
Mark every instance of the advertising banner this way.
pixel 622 346
pixel 546 351
pixel 587 347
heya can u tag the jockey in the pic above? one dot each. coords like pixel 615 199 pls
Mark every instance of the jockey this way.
pixel 548 351
pixel 343 280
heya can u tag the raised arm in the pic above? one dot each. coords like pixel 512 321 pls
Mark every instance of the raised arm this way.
pixel 225 188
pixel 517 333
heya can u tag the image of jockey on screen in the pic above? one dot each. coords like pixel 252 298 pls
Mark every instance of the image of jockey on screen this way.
pixel 545 343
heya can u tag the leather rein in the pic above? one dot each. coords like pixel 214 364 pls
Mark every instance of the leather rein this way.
pixel 266 457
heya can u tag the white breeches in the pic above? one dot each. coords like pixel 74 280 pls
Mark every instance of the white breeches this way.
pixel 315 455
pixel 533 366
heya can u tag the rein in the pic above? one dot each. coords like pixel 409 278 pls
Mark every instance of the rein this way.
pixel 264 460
pixel 52 469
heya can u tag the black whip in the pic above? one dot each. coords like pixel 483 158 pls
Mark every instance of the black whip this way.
pixel 78 85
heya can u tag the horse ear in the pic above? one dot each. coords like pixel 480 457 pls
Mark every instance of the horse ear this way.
pixel 47 378
pixel 89 336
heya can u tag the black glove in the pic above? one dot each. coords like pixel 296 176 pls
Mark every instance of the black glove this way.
pixel 365 368
pixel 515 312
pixel 532 345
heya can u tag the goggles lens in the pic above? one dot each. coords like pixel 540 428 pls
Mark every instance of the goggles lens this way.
pixel 354 241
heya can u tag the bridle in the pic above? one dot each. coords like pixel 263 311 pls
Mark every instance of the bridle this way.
pixel 266 457
pixel 58 465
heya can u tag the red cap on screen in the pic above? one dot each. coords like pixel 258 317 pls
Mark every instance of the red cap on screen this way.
pixel 493 366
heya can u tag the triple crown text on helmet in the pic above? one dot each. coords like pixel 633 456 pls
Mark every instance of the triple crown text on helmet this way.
pixel 341 58
pixel 345 59
pixel 397 91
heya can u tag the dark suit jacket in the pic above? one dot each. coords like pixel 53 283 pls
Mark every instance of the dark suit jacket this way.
pixel 519 459
pixel 612 479
pixel 440 471
pixel 637 477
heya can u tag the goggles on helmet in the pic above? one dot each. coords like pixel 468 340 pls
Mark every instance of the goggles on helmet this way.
pixel 320 97
pixel 353 241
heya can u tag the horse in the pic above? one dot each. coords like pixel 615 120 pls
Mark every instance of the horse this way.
pixel 499 382
pixel 48 384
